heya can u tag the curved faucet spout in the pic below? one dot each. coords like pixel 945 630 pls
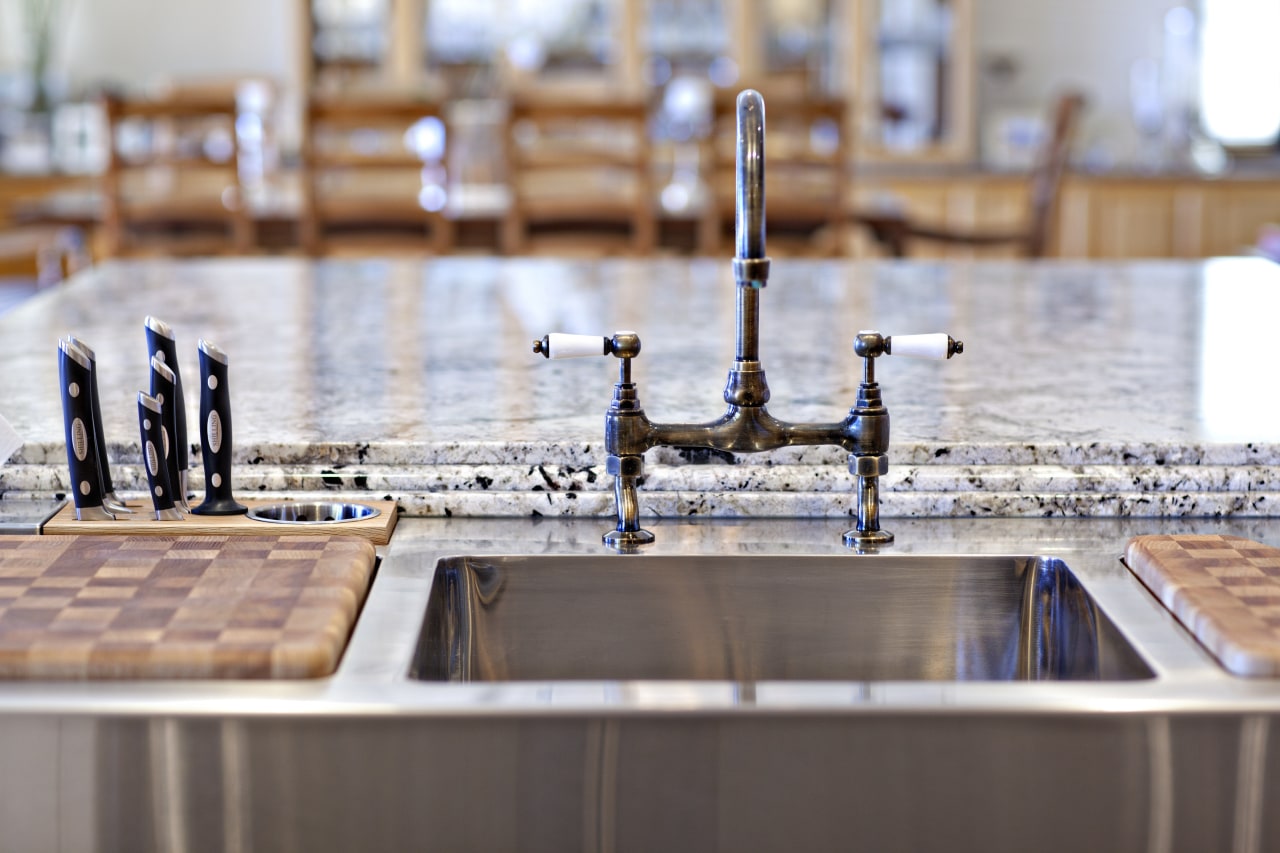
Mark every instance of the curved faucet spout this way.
pixel 749 177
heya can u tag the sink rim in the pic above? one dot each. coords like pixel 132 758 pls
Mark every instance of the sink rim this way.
pixel 675 618
pixel 372 680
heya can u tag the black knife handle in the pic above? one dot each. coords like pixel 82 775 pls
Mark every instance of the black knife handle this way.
pixel 151 426
pixel 99 439
pixel 162 391
pixel 74 375
pixel 163 345
pixel 215 434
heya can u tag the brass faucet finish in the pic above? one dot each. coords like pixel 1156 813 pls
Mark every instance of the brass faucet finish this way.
pixel 746 425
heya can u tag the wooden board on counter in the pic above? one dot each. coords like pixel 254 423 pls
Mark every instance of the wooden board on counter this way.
pixel 135 607
pixel 143 523
pixel 1224 589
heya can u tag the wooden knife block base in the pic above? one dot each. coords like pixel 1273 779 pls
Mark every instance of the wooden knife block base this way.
pixel 376 530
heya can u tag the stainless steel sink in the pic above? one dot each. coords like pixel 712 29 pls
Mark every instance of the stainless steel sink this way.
pixel 766 618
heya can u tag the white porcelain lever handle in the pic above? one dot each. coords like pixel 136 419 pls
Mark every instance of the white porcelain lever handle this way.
pixel 558 345
pixel 937 345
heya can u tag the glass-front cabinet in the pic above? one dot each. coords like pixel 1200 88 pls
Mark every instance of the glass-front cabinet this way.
pixel 904 68
pixel 913 79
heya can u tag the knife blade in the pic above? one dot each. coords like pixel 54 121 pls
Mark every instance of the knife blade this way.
pixel 162 385
pixel 215 434
pixel 77 417
pixel 109 498
pixel 151 425
pixel 162 344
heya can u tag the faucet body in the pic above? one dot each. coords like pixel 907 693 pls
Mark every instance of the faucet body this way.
pixel 746 425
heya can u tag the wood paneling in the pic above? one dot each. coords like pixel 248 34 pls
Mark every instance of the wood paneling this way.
pixel 1101 217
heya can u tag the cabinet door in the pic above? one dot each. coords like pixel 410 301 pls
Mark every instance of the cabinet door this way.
pixel 1234 215
pixel 1132 220
pixel 910 66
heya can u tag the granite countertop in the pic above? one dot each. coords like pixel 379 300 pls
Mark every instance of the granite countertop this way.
pixel 1126 389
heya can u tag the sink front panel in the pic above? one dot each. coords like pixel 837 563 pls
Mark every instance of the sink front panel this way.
pixel 766 618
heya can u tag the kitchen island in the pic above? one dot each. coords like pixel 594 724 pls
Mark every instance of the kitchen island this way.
pixel 1092 403
pixel 1085 389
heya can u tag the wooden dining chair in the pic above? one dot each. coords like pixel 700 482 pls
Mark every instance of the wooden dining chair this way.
pixel 172 180
pixel 894 231
pixel 807 175
pixel 374 175
pixel 578 176
pixel 41 254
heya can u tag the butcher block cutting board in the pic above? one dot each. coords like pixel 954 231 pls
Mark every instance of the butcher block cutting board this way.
pixel 1224 589
pixel 376 529
pixel 136 607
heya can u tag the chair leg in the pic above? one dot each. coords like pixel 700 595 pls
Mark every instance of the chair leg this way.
pixel 645 235
pixel 443 235
pixel 243 235
pixel 512 235
pixel 708 235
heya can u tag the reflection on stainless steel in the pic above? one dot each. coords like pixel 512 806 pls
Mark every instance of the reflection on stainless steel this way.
pixel 767 618
pixel 312 512
pixel 746 425
pixel 372 760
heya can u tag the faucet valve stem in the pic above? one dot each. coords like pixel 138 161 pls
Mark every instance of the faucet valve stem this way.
pixel 871 462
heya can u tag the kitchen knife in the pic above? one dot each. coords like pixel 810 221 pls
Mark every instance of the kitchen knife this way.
pixel 151 423
pixel 109 498
pixel 162 344
pixel 77 416
pixel 215 434
pixel 162 385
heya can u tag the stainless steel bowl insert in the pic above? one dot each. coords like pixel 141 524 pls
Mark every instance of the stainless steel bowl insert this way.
pixel 312 512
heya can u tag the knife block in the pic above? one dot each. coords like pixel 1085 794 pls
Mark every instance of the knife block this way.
pixel 376 530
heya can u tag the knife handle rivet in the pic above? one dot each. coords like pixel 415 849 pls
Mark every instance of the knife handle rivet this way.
pixel 159 491
pixel 216 479
pixel 84 487
pixel 73 389
pixel 213 383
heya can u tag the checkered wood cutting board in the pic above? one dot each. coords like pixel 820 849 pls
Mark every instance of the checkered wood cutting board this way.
pixel 1224 589
pixel 121 607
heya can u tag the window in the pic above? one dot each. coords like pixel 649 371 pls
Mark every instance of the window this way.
pixel 1240 71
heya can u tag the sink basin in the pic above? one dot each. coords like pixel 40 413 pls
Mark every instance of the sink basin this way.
pixel 765 618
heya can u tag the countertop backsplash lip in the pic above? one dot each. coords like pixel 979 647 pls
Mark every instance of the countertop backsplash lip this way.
pixel 390 393
pixel 589 452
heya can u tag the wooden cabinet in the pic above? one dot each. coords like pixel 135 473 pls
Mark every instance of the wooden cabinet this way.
pixel 1101 217
pixel 1165 217
pixel 904 67
pixel 22 243
pixel 909 68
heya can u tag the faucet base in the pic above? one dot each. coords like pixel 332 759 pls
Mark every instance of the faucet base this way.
pixel 863 538
pixel 626 540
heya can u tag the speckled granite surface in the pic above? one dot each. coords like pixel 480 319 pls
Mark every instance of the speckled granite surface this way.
pixel 1085 389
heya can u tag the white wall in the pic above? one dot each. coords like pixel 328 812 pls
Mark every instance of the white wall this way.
pixel 136 43
pixel 1088 43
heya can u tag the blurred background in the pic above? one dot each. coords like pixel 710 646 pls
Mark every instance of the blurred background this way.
pixel 933 108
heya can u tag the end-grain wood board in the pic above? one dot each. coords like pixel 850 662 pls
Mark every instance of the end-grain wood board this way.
pixel 143 523
pixel 1224 589
pixel 143 607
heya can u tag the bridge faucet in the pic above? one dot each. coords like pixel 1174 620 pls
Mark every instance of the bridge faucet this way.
pixel 746 426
